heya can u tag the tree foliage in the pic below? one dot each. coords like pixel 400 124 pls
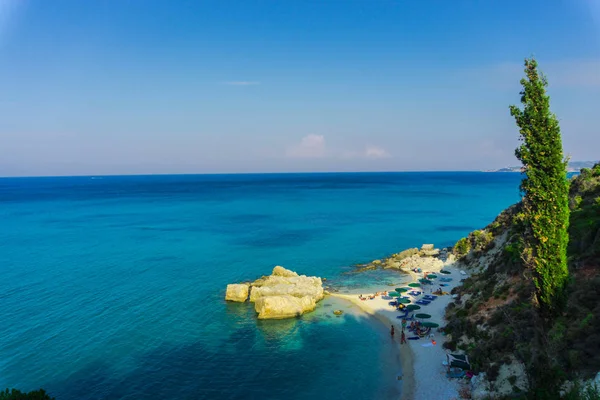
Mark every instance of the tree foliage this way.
pixel 15 394
pixel 545 188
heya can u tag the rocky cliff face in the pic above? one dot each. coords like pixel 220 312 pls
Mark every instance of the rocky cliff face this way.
pixel 496 319
pixel 283 294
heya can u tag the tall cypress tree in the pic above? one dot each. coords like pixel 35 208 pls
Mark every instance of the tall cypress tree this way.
pixel 545 189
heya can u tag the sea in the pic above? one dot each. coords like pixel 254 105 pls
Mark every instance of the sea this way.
pixel 112 287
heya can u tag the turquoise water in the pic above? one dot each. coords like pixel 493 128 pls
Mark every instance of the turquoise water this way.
pixel 113 287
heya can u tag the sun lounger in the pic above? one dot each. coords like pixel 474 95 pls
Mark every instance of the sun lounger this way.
pixel 423 302
pixel 429 297
pixel 455 373
pixel 414 293
pixel 414 338
pixel 446 279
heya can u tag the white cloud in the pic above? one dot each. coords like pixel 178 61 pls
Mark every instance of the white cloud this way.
pixel 242 83
pixel 311 146
pixel 376 152
pixel 314 146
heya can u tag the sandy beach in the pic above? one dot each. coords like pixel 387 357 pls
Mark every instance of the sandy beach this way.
pixel 424 375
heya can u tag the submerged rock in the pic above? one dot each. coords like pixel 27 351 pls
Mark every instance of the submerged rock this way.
pixel 237 292
pixel 284 294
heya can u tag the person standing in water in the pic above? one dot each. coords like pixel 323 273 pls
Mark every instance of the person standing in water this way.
pixel 403 337
pixel 392 332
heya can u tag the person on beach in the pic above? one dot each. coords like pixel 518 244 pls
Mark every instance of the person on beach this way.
pixel 392 332
pixel 403 337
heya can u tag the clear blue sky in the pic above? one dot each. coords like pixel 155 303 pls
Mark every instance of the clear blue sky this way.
pixel 143 86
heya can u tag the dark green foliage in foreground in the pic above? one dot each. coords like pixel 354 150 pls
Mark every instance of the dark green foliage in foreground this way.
pixel 578 392
pixel 545 187
pixel 584 229
pixel 15 394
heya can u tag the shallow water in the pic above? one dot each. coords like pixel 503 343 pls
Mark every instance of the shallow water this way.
pixel 113 287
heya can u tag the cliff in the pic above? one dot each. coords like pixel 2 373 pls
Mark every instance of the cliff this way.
pixel 496 320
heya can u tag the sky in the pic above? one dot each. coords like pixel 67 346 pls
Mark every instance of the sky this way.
pixel 145 86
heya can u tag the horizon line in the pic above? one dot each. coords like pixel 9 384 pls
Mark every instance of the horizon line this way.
pixel 252 173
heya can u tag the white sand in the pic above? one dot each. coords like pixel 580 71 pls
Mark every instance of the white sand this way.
pixel 424 375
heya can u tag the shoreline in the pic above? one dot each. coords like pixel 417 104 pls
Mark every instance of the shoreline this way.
pixel 423 374
pixel 406 353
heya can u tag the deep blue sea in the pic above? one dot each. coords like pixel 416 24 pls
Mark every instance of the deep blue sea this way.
pixel 113 287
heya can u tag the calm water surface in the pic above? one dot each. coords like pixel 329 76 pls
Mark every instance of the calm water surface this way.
pixel 112 288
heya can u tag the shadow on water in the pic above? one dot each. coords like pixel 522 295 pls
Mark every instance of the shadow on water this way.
pixel 263 359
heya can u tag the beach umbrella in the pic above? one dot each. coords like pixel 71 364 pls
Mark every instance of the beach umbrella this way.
pixel 413 307
pixel 401 290
pixel 423 316
pixel 430 324
pixel 403 300
pixel 414 284
pixel 425 281
pixel 445 272
pixel 432 276
pixel 394 294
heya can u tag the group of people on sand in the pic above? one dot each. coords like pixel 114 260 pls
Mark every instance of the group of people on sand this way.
pixel 372 296
pixel 403 337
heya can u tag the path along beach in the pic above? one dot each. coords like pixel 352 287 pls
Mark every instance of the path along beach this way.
pixel 424 374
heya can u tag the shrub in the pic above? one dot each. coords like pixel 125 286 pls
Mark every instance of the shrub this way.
pixel 482 239
pixel 450 345
pixel 462 247
pixel 581 392
pixel 577 202
pixel 15 394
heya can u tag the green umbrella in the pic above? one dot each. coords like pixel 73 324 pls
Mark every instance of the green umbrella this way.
pixel 394 294
pixel 424 281
pixel 423 316
pixel 413 307
pixel 445 272
pixel 414 284
pixel 403 300
pixel 432 276
pixel 401 290
pixel 430 324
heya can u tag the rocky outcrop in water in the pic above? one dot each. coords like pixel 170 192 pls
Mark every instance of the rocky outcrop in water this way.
pixel 428 258
pixel 237 292
pixel 283 294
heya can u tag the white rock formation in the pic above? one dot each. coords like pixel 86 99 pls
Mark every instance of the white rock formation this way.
pixel 284 294
pixel 280 271
pixel 285 306
pixel 237 292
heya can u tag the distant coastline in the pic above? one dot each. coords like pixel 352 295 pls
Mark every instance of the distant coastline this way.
pixel 573 166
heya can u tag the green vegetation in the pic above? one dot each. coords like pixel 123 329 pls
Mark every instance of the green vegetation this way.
pixel 545 188
pixel 579 392
pixel 462 247
pixel 584 229
pixel 15 394
pixel 482 240
pixel 535 301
